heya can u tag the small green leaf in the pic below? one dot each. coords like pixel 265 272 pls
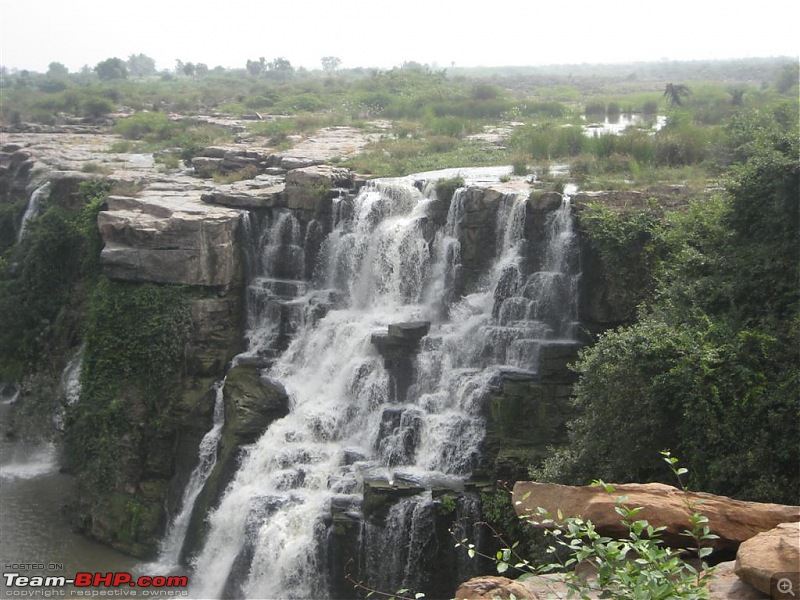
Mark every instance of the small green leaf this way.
pixel 471 553
pixel 502 567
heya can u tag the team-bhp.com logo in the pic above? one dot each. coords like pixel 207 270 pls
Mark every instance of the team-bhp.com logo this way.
pixel 15 582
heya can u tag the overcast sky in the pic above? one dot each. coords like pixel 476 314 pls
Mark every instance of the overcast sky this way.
pixel 378 33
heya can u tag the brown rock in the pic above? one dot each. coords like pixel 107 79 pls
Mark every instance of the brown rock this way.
pixel 491 588
pixel 769 556
pixel 725 585
pixel 734 521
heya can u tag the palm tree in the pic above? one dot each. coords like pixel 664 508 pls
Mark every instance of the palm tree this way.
pixel 675 92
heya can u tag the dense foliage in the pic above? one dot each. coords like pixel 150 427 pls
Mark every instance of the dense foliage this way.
pixel 43 282
pixel 134 336
pixel 710 369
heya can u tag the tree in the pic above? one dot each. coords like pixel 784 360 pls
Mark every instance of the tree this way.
pixel 201 69
pixel 111 68
pixel 737 96
pixel 331 63
pixel 257 67
pixel 57 70
pixel 280 68
pixel 141 65
pixel 189 69
pixel 675 92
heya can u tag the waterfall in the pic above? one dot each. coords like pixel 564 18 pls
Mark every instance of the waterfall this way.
pixel 71 378
pixel 172 544
pixel 33 207
pixel 380 264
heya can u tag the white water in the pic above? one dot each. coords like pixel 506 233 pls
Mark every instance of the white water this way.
pixel 268 525
pixel 30 462
pixel 71 378
pixel 172 544
pixel 33 207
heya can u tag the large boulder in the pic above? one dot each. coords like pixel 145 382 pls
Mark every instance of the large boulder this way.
pixel 251 404
pixel 499 588
pixel 769 557
pixel 734 521
pixel 171 240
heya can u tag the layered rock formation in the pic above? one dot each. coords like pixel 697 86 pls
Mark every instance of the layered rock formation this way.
pixel 175 239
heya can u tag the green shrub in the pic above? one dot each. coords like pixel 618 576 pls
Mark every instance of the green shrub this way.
pixel 445 188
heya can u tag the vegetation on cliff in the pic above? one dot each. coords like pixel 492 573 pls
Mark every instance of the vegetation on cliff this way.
pixel 710 368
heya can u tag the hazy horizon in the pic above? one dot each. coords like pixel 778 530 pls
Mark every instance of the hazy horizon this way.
pixel 381 35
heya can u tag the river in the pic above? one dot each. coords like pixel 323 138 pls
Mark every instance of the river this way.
pixel 33 525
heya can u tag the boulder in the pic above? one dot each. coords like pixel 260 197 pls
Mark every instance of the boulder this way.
pixel 171 240
pixel 725 585
pixel 251 404
pixel 491 588
pixel 769 557
pixel 734 521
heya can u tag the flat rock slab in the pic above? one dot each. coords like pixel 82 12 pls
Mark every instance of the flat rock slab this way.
pixel 174 238
pixel 734 521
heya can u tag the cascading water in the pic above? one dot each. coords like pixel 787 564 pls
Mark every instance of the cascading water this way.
pixel 33 207
pixel 172 544
pixel 380 264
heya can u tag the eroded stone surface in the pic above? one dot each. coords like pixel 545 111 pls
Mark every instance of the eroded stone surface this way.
pixel 771 553
pixel 734 521
pixel 174 239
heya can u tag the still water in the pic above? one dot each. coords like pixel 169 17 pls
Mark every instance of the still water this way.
pixel 33 526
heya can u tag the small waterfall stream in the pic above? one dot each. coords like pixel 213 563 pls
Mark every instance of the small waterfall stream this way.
pixel 172 544
pixel 313 328
pixel 33 207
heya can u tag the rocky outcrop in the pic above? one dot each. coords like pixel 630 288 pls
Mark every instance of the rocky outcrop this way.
pixel 525 418
pixel 770 560
pixel 218 159
pixel 308 189
pixel 251 404
pixel 399 347
pixel 172 240
pixel 734 521
pixel 264 191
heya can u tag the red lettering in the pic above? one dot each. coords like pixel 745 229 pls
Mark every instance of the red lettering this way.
pixel 106 579
pixel 121 578
pixel 83 579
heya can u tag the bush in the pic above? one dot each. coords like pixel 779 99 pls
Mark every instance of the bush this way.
pixel 445 188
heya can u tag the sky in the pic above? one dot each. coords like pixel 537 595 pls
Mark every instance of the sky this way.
pixel 384 34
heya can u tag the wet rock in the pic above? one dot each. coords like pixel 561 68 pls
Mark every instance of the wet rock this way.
pixel 398 347
pixel 380 494
pixel 251 404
